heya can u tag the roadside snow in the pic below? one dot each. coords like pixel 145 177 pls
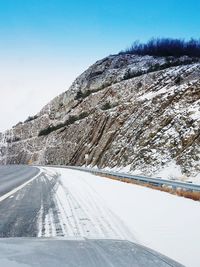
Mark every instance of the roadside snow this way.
pixel 163 222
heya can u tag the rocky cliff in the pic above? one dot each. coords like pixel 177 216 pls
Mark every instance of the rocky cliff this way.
pixel 125 110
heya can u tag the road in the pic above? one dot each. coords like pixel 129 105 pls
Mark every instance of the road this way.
pixel 35 203
pixel 44 207
pixel 13 176
pixel 19 210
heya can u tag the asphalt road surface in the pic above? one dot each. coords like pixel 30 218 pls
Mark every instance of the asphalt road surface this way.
pixel 12 176
pixel 19 211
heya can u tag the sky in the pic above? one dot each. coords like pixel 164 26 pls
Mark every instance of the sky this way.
pixel 46 44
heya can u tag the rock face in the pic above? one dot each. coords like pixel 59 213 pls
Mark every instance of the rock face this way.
pixel 125 110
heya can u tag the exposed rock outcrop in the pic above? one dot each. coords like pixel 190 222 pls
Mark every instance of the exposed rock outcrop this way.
pixel 124 110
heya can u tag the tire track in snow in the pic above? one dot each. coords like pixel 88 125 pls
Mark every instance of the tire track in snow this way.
pixel 112 226
pixel 48 220
pixel 78 211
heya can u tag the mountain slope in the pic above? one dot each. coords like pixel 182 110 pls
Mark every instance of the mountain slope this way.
pixel 125 110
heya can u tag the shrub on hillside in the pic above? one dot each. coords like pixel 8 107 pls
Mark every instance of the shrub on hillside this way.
pixel 71 120
pixel 106 106
pixel 31 118
pixel 165 47
pixel 82 95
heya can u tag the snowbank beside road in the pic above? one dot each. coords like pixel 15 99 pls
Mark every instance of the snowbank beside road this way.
pixel 163 222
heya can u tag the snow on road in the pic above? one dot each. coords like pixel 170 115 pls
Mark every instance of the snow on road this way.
pixel 78 211
pixel 97 207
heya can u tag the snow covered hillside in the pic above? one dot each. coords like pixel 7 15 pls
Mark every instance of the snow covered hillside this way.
pixel 97 207
pixel 141 113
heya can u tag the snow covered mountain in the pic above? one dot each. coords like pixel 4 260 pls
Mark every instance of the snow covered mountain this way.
pixel 138 112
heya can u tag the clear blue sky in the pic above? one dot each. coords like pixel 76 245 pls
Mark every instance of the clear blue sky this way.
pixel 93 27
pixel 45 44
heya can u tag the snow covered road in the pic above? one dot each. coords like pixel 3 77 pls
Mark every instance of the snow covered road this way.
pixel 73 204
pixel 166 223
pixel 79 211
pixel 58 203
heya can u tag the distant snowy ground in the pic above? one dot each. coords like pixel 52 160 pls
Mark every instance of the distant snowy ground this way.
pixel 104 208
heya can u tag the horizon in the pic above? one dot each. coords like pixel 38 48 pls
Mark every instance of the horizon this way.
pixel 47 44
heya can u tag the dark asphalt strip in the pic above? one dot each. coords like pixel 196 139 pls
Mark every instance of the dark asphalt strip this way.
pixel 19 212
pixel 12 176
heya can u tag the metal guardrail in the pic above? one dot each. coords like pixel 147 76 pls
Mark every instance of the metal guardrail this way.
pixel 142 179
